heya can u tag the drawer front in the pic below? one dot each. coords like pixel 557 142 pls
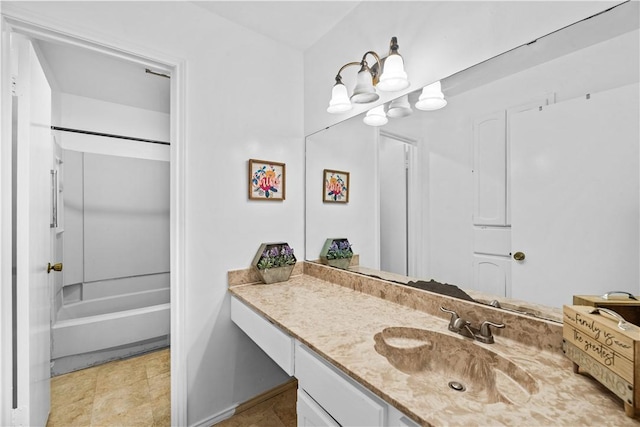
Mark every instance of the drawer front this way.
pixel 310 414
pixel 347 402
pixel 274 342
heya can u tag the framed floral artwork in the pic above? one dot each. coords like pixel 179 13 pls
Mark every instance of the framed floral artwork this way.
pixel 266 180
pixel 336 186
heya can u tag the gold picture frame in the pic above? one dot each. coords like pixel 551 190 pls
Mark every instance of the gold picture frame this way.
pixel 267 180
pixel 335 186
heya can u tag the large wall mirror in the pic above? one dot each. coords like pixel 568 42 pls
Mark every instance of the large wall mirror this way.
pixel 536 153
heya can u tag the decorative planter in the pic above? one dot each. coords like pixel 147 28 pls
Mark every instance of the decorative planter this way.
pixel 342 263
pixel 280 259
pixel 274 275
pixel 328 257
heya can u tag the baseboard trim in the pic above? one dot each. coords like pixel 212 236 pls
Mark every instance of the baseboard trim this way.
pixel 215 419
pixel 292 383
pixel 236 409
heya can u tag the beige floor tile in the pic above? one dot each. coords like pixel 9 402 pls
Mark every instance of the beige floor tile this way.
pixel 77 413
pixel 158 366
pixel 115 394
pixel 160 382
pixel 68 388
pixel 161 407
pixel 117 374
pixel 118 404
pixel 132 417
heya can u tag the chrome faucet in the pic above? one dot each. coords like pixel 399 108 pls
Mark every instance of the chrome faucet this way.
pixel 464 328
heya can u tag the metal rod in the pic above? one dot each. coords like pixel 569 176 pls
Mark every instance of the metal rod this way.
pixel 108 135
pixel 148 71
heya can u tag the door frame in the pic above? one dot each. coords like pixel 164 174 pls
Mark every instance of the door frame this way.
pixel 414 225
pixel 38 28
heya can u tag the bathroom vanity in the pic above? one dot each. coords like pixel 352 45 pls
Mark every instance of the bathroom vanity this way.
pixel 371 352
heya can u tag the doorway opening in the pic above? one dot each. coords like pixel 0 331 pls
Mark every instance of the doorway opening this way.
pixel 118 159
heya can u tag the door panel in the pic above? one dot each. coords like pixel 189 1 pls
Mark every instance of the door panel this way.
pixel 575 172
pixel 33 235
pixel 489 170
pixel 491 274
pixel 393 206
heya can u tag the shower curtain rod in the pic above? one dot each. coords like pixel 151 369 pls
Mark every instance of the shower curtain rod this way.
pixel 130 138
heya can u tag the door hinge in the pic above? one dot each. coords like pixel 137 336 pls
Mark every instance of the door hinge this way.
pixel 18 416
pixel 14 85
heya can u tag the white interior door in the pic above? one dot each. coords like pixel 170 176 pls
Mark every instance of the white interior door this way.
pixel 393 205
pixel 34 154
pixel 575 197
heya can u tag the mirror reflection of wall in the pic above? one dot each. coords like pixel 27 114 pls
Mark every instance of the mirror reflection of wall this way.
pixel 468 224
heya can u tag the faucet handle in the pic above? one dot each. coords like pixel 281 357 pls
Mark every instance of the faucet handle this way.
pixel 485 331
pixel 454 316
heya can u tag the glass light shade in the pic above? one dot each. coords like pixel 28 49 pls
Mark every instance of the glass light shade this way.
pixel 364 92
pixel 431 98
pixel 376 116
pixel 393 76
pixel 400 107
pixel 339 99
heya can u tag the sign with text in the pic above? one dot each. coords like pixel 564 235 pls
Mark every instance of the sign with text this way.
pixel 596 345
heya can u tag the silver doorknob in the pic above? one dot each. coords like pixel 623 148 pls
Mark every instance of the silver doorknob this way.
pixel 518 256
pixel 55 267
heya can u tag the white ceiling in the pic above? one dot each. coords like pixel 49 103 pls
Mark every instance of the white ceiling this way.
pixel 82 72
pixel 298 24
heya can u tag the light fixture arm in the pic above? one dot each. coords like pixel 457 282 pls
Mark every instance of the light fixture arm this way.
pixel 375 74
pixel 364 66
pixel 349 64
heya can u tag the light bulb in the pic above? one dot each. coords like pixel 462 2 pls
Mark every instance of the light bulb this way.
pixel 376 116
pixel 431 98
pixel 393 77
pixel 339 99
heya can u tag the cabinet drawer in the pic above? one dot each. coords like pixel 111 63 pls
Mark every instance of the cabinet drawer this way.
pixel 349 403
pixel 310 414
pixel 274 342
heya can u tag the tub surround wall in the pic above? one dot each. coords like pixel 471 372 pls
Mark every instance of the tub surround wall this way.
pixel 339 320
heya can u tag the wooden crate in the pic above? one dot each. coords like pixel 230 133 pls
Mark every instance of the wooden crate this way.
pixel 620 302
pixel 597 345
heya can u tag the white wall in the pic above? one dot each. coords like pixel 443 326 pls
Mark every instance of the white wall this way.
pixel 233 112
pixel 437 39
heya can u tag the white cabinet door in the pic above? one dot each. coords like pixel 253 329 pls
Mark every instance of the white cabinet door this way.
pixel 310 414
pixel 575 168
pixel 490 169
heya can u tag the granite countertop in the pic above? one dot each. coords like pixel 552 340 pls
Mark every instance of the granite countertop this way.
pixel 339 323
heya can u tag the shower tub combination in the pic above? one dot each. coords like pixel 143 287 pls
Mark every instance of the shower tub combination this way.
pixel 111 320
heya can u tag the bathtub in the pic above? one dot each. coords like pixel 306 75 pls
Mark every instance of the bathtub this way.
pixel 97 330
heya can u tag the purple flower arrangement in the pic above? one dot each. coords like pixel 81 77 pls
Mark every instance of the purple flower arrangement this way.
pixel 276 256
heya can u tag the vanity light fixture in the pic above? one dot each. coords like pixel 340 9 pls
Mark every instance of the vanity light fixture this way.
pixel 400 107
pixel 431 98
pixel 387 74
pixel 376 116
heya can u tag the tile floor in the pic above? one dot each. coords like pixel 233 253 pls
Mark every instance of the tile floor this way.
pixel 136 392
pixel 130 392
